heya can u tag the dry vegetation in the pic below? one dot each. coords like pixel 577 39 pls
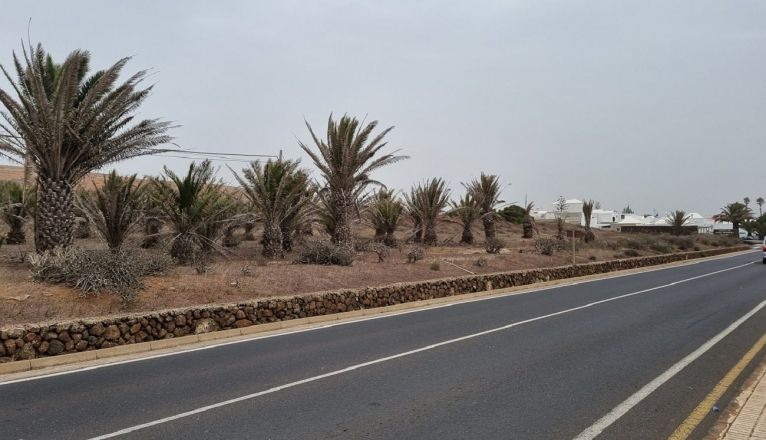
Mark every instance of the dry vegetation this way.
pixel 243 274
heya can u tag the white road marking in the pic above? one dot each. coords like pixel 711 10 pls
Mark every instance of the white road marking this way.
pixel 532 289
pixel 427 348
pixel 601 424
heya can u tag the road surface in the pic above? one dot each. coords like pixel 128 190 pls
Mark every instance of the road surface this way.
pixel 550 364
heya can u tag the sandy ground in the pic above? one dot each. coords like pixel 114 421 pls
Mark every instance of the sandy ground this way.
pixel 23 301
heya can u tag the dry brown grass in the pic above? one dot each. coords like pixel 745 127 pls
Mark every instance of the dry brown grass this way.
pixel 23 301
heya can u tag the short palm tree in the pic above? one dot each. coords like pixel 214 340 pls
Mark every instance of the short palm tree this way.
pixel 528 223
pixel 677 219
pixel 467 211
pixel 114 208
pixel 67 124
pixel 276 190
pixel 587 211
pixel 346 159
pixel 427 202
pixel 190 204
pixel 486 191
pixel 16 205
pixel 759 201
pixel 385 212
pixel 736 213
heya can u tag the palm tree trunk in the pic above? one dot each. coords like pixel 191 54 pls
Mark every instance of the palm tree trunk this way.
pixel 418 231
pixel 342 234
pixel 249 226
pixel 429 235
pixel 389 239
pixel 467 237
pixel 152 226
pixel 183 248
pixel 16 235
pixel 528 228
pixel 54 216
pixel 488 219
pixel 272 240
pixel 735 229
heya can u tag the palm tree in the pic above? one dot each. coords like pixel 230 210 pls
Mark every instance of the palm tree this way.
pixel 736 213
pixel 385 213
pixel 677 219
pixel 486 191
pixel 587 211
pixel 16 203
pixel 747 201
pixel 189 204
pixel 68 123
pixel 276 189
pixel 346 159
pixel 115 208
pixel 467 211
pixel 759 201
pixel 427 201
pixel 528 223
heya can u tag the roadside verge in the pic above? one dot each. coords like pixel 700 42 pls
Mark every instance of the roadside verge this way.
pixel 117 336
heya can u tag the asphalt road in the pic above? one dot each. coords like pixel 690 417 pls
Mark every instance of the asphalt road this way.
pixel 541 365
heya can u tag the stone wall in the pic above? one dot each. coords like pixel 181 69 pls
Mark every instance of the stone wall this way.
pixel 32 341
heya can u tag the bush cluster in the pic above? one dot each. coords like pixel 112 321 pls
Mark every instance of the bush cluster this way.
pixel 97 271
pixel 494 245
pixel 325 252
pixel 547 246
pixel 415 254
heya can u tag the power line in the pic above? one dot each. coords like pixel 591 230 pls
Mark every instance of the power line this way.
pixel 209 153
pixel 223 159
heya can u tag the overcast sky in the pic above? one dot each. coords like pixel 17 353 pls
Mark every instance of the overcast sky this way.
pixel 660 104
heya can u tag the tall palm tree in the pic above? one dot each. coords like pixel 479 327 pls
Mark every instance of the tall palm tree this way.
pixel 759 201
pixel 466 210
pixel 115 208
pixel 528 223
pixel 747 201
pixel 587 211
pixel 427 201
pixel 68 123
pixel 189 204
pixel 276 189
pixel 16 204
pixel 677 219
pixel 385 213
pixel 486 191
pixel 736 213
pixel 346 159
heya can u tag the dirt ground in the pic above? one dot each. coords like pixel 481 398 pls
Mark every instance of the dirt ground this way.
pixel 241 276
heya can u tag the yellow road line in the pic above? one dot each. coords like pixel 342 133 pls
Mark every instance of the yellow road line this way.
pixel 686 428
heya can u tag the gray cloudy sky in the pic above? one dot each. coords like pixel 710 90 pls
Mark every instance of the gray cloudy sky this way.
pixel 660 104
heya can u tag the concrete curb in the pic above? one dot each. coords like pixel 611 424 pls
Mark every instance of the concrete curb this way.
pixel 163 344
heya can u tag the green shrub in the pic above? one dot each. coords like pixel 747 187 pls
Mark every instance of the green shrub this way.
pixel 481 262
pixel 661 247
pixel 631 253
pixel 682 243
pixel 325 252
pixel 546 246
pixel 97 271
pixel 435 265
pixel 494 245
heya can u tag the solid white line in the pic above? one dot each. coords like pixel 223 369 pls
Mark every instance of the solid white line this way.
pixel 532 289
pixel 601 424
pixel 411 352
